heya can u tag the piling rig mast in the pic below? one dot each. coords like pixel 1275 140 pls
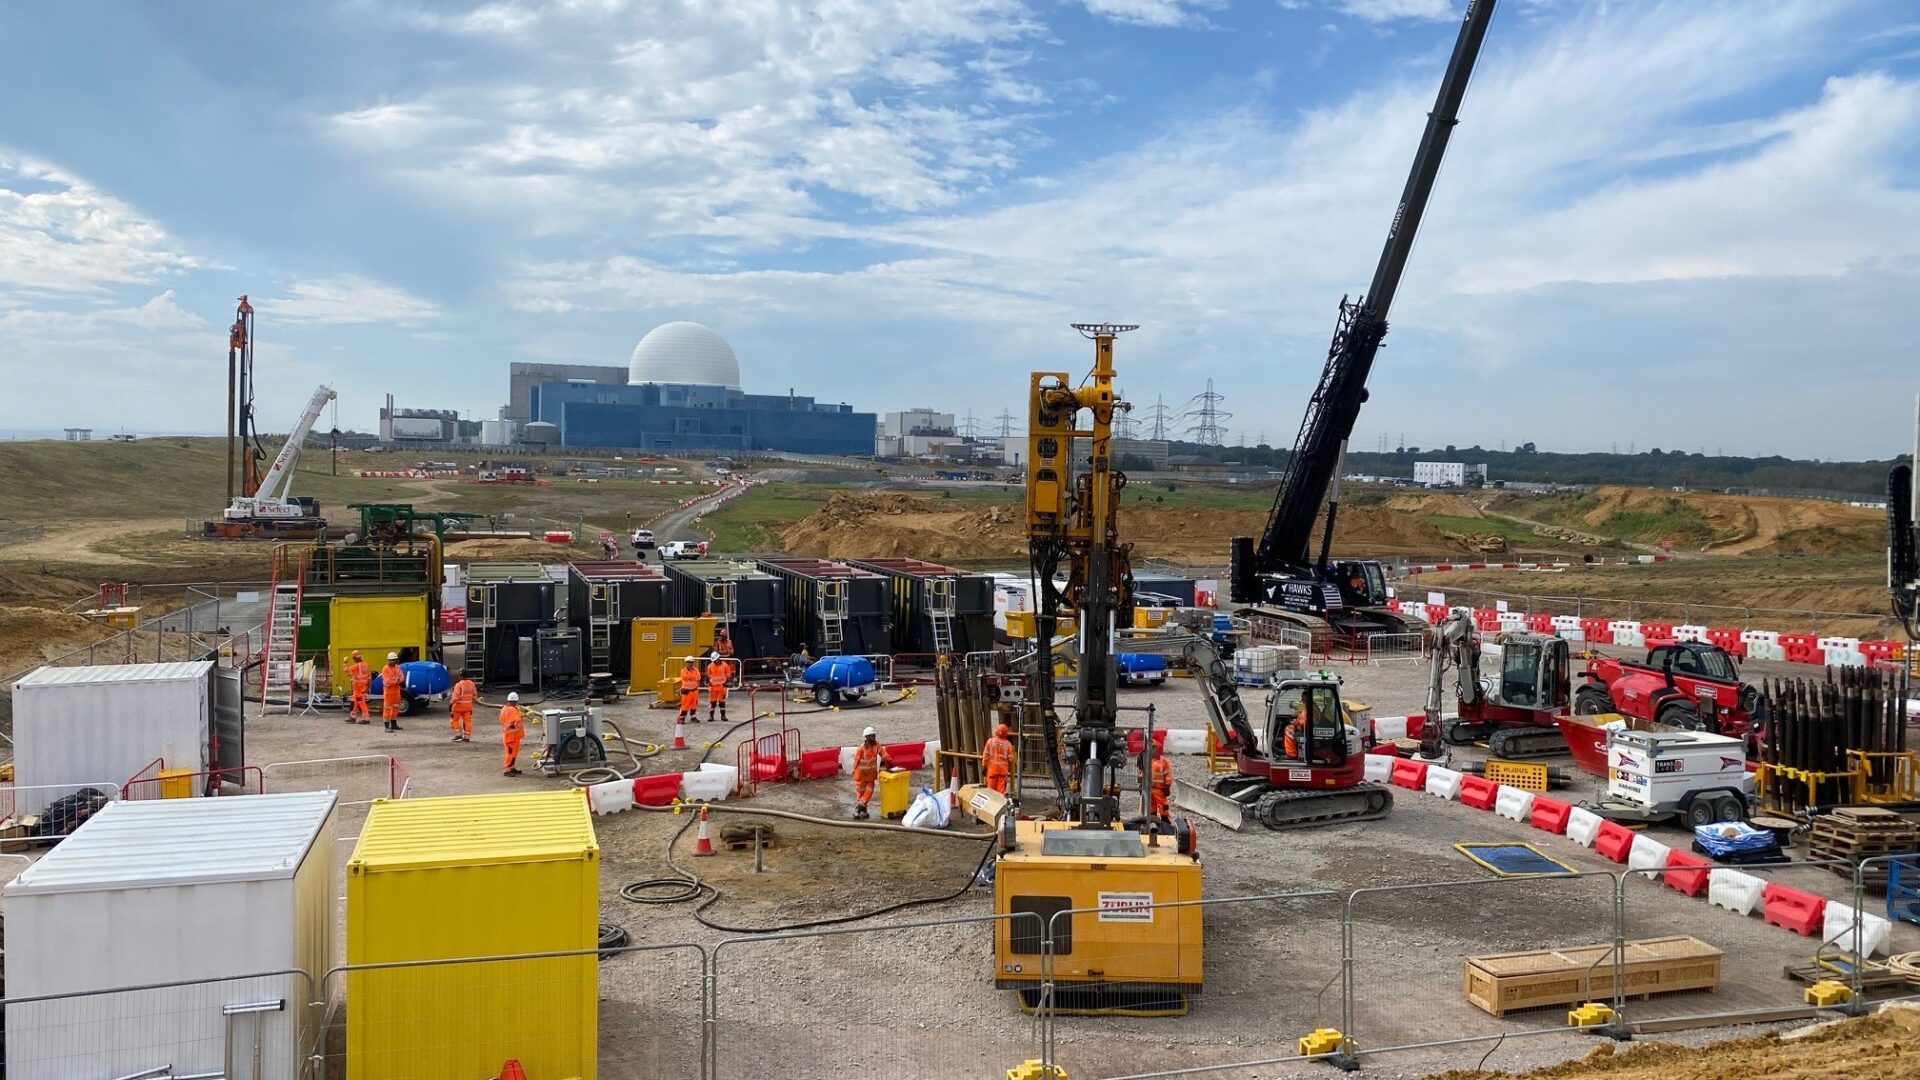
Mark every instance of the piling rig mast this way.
pixel 1903 539
pixel 1280 571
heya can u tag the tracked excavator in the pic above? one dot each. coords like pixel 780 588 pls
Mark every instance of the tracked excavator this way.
pixel 1515 712
pixel 1279 576
pixel 1307 769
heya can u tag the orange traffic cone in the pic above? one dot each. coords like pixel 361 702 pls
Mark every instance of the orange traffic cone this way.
pixel 680 732
pixel 512 1070
pixel 703 842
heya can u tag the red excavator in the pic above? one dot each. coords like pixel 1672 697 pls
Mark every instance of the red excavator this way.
pixel 1515 711
pixel 1688 685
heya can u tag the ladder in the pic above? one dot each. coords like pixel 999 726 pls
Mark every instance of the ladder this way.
pixel 283 635
pixel 603 612
pixel 833 617
pixel 940 613
pixel 473 662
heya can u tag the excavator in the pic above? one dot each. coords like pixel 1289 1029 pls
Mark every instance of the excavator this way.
pixel 1279 576
pixel 1515 713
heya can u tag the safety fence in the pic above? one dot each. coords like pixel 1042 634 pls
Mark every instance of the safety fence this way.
pixel 1748 617
pixel 154 781
pixel 357 780
pixel 1360 976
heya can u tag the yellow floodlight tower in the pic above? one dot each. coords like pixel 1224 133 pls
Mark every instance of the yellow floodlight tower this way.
pixel 1115 896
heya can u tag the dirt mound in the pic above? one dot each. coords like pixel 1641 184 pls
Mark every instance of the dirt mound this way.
pixel 502 549
pixel 1878 1047
pixel 1721 524
pixel 24 587
pixel 856 525
pixel 1424 503
pixel 29 635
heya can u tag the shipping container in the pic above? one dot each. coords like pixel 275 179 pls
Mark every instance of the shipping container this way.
pixel 166 892
pixel 1179 588
pixel 375 625
pixel 603 599
pixel 506 602
pixel 474 876
pixel 936 608
pixel 314 623
pixel 749 601
pixel 100 726
pixel 834 609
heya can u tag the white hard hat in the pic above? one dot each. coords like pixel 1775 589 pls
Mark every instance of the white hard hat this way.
pixel 513 695
pixel 393 656
pixel 868 732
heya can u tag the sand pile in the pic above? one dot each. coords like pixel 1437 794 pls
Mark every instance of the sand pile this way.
pixel 857 525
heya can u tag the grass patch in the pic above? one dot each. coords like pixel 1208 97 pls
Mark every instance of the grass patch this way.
pixel 752 521
pixel 1673 520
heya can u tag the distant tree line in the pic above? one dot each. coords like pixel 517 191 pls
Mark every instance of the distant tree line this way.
pixel 1651 468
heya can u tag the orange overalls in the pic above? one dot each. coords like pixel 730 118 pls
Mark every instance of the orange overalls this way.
pixel 690 693
pixel 391 680
pixel 362 677
pixel 512 730
pixel 461 706
pixel 866 771
pixel 718 672
pixel 996 759
pixel 724 645
pixel 1160 787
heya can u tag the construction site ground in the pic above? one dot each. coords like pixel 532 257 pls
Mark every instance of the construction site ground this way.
pixel 919 1000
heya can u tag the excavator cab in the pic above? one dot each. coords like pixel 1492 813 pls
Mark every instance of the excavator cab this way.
pixel 1362 582
pixel 1305 723
pixel 1534 673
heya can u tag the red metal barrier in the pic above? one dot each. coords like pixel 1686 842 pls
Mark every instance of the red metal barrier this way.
pixel 148 784
pixel 767 759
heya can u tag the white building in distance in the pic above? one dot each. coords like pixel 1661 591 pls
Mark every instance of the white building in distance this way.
pixel 1447 473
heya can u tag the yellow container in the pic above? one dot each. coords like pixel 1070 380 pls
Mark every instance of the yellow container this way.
pixel 1021 625
pixel 660 646
pixel 896 791
pixel 176 783
pixel 376 625
pixel 1148 618
pixel 475 876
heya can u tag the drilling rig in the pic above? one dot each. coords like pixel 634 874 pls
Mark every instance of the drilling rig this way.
pixel 1280 574
pixel 1903 541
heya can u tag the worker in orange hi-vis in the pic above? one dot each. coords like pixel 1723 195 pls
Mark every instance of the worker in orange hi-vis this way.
pixel 689 693
pixel 460 706
pixel 362 679
pixel 719 670
pixel 867 759
pixel 723 643
pixel 513 728
pixel 1160 785
pixel 996 759
pixel 391 681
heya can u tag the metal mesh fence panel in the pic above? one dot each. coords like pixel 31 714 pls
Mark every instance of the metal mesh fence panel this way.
pixel 1107 1023
pixel 916 1001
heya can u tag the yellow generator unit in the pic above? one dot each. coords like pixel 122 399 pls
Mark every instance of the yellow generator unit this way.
pixel 1122 950
pixel 1152 618
pixel 1020 626
pixel 659 648
pixel 376 625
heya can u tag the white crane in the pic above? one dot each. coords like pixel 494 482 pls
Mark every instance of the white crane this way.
pixel 272 501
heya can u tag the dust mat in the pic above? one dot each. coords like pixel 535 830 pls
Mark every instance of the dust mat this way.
pixel 1513 860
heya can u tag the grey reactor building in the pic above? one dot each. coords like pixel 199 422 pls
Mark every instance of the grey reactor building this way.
pixel 680 391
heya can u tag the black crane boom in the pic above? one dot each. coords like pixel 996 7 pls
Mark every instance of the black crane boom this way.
pixel 1285 548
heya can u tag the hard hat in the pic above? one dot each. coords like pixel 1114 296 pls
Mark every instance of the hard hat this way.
pixel 356 654
pixel 513 695
pixel 393 656
pixel 690 660
pixel 1001 731
pixel 868 734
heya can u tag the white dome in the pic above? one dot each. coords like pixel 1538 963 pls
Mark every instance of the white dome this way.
pixel 684 352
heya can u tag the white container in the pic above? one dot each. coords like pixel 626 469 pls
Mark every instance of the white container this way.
pixel 92 725
pixel 1259 660
pixel 162 892
pixel 1514 804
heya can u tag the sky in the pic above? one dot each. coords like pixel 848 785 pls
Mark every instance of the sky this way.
pixel 1690 224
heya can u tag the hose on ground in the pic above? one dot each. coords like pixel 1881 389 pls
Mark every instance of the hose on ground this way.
pixel 603 774
pixel 684 886
pixel 612 937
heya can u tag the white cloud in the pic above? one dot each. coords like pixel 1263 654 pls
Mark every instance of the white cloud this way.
pixel 59 236
pixel 1389 10
pixel 1155 12
pixel 347 299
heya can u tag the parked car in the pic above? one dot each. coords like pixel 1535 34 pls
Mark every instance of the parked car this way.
pixel 683 549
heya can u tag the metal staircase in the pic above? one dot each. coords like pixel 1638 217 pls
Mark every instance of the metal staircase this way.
pixel 473 663
pixel 940 608
pixel 603 614
pixel 833 617
pixel 277 656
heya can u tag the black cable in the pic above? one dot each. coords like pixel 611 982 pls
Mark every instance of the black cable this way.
pixel 687 886
pixel 613 937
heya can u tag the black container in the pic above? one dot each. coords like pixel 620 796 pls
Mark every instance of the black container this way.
pixel 809 582
pixel 603 599
pixel 915 589
pixel 757 599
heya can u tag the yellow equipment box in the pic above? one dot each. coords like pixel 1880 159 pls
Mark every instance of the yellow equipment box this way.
pixel 660 646
pixel 376 625
pixel 1152 618
pixel 1021 626
pixel 1113 881
pixel 896 791
pixel 481 875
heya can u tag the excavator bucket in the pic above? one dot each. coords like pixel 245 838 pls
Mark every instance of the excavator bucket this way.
pixel 1210 805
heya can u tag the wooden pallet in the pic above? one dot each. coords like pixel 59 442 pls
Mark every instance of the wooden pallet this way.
pixel 1871 981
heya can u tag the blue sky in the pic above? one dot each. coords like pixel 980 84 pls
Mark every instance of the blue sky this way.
pixel 1690 224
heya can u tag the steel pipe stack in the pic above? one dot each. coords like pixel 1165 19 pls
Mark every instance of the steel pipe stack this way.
pixel 1811 725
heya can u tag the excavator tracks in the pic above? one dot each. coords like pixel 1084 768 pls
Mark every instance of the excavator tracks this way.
pixel 1239 802
pixel 1520 744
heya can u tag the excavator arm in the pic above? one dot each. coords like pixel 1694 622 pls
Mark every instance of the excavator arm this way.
pixel 1456 644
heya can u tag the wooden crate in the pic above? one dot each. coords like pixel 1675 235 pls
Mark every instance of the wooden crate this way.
pixel 1505 982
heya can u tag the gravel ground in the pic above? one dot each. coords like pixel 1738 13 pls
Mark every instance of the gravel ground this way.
pixel 910 1000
